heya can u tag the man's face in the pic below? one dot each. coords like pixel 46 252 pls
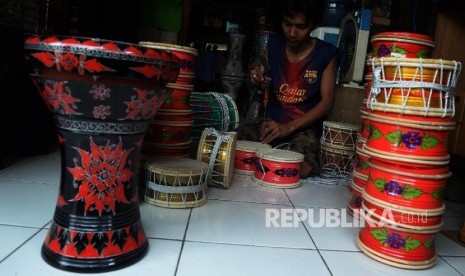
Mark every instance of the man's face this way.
pixel 296 29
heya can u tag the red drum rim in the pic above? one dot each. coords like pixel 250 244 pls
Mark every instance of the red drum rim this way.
pixel 400 120
pixel 413 175
pixel 169 47
pixel 403 209
pixel 425 160
pixel 431 229
pixel 383 258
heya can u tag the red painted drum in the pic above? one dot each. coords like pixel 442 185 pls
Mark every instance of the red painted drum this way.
pixel 169 132
pixel 414 86
pixel 402 45
pixel 278 168
pixel 179 99
pixel 169 150
pixel 413 221
pixel 186 55
pixel 410 138
pixel 103 95
pixel 398 247
pixel 246 158
pixel 406 187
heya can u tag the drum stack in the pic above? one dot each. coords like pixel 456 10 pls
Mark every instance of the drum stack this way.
pixel 170 131
pixel 409 111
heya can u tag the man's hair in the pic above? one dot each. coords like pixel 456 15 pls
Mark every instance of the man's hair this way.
pixel 312 10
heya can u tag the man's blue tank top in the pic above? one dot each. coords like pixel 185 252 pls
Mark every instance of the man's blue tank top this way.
pixel 295 87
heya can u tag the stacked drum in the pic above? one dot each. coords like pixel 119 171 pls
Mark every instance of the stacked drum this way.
pixel 409 113
pixel 170 131
pixel 338 143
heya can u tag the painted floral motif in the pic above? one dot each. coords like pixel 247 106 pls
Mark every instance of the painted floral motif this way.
pixel 285 172
pixel 58 98
pixel 396 241
pixel 358 201
pixel 407 191
pixel 143 105
pixel 411 139
pixel 100 176
pixel 395 51
pixel 101 111
pixel 100 92
pixel 68 62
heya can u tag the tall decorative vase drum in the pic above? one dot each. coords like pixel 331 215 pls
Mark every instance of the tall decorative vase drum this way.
pixel 233 75
pixel 103 95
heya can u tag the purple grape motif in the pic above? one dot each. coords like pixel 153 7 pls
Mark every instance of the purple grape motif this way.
pixel 393 188
pixel 383 51
pixel 395 241
pixel 412 139
pixel 288 172
pixel 358 201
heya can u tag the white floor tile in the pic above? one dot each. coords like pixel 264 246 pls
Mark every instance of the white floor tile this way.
pixel 335 230
pixel 228 260
pixel 243 223
pixel 11 237
pixel 312 195
pixel 448 247
pixel 245 190
pixel 26 204
pixel 457 262
pixel 42 170
pixel 164 223
pixel 161 259
pixel 357 263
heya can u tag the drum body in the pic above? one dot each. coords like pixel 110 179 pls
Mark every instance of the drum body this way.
pixel 212 110
pixel 217 149
pixel 339 135
pixel 246 157
pixel 176 182
pixel 278 168
pixel 414 86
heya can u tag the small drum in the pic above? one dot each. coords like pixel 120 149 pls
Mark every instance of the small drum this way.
pixel 246 156
pixel 176 182
pixel 278 168
pixel 340 135
pixel 217 149
pixel 423 87
pixel 336 160
pixel 213 110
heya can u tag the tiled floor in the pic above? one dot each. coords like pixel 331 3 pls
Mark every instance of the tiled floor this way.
pixel 226 236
